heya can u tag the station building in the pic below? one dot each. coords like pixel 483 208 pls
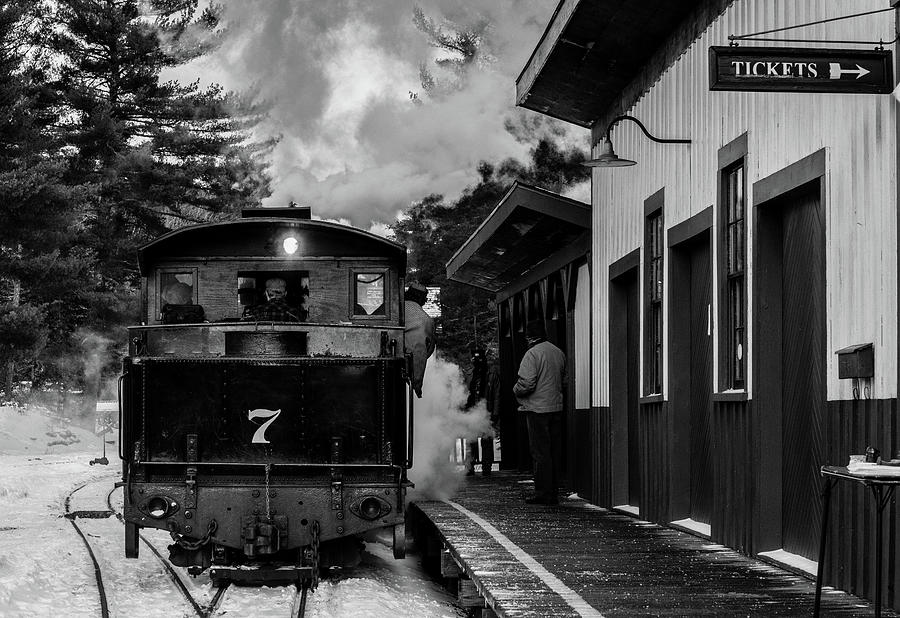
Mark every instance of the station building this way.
pixel 532 253
pixel 742 320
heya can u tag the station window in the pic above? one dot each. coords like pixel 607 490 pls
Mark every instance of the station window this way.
pixel 369 294
pixel 556 306
pixel 654 249
pixel 735 251
pixel 519 312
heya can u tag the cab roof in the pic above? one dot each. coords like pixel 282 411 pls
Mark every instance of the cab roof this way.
pixel 263 237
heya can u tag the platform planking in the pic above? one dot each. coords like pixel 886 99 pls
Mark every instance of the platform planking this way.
pixel 595 562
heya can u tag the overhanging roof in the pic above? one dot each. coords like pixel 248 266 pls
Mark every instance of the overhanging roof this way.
pixel 591 50
pixel 528 225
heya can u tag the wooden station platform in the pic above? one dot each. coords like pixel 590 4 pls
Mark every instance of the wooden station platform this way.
pixel 508 558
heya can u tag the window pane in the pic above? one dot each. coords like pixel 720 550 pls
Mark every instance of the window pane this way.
pixel 729 198
pixel 654 273
pixel 176 288
pixel 734 262
pixel 369 294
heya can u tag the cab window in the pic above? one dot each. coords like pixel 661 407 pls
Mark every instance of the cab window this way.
pixel 369 294
pixel 251 291
pixel 176 288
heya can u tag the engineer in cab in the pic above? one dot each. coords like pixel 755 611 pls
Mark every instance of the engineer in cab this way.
pixel 276 308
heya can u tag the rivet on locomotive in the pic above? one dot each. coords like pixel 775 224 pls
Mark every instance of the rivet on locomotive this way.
pixel 266 420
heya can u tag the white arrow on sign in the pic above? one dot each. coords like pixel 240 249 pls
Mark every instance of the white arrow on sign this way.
pixel 837 71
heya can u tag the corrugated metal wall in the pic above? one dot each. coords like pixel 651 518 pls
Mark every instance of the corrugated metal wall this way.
pixel 582 339
pixel 858 132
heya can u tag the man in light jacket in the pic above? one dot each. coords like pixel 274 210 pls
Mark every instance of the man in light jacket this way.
pixel 539 391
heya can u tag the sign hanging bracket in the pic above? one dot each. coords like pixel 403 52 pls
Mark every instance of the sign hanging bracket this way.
pixel 757 36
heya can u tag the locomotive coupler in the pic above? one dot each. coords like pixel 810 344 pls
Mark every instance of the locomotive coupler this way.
pixel 263 537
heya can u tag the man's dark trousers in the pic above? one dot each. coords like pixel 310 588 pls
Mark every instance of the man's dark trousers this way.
pixel 545 443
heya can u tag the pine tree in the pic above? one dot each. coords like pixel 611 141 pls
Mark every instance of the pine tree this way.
pixel 38 262
pixel 159 154
pixel 149 155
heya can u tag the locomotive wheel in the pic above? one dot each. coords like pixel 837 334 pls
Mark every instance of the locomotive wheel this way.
pixel 132 540
pixel 400 541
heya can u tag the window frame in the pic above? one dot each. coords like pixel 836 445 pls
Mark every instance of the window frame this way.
pixel 653 294
pixel 175 270
pixel 732 249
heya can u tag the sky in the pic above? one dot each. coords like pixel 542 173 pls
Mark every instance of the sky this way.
pixel 360 138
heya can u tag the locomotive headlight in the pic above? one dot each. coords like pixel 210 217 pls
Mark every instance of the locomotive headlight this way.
pixel 159 507
pixel 290 245
pixel 370 507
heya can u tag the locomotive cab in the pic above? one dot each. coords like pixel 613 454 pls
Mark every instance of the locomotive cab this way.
pixel 261 438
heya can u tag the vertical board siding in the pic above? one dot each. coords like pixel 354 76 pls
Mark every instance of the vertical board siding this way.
pixel 850 560
pixel 858 132
pixel 584 442
pixel 603 463
pixel 733 475
pixel 654 447
pixel 583 339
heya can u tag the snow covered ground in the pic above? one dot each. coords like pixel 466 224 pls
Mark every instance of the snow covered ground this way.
pixel 45 569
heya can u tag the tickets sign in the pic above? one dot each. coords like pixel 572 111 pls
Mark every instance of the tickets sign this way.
pixel 790 69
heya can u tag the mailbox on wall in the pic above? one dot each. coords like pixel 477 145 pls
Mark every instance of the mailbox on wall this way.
pixel 856 361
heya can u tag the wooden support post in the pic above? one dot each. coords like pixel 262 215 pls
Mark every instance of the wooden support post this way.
pixel 467 595
pixel 449 568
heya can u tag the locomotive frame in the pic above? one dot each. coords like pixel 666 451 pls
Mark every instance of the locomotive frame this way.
pixel 267 444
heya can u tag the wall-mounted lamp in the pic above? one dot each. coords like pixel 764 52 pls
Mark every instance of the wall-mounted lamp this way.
pixel 608 157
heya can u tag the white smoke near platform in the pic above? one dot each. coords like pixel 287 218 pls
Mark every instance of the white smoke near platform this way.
pixel 440 420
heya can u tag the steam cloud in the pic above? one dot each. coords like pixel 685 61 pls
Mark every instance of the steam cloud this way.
pixel 439 422
pixel 361 140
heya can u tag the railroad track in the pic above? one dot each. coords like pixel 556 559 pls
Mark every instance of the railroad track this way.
pixel 211 602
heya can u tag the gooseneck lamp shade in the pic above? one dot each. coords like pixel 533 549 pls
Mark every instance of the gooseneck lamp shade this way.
pixel 608 157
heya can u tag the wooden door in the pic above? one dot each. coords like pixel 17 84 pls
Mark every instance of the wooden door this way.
pixel 700 369
pixel 803 370
pixel 624 388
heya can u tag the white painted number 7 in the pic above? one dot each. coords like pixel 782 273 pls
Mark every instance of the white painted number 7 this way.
pixel 260 436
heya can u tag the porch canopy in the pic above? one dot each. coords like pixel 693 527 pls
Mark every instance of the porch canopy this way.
pixel 529 234
pixel 593 50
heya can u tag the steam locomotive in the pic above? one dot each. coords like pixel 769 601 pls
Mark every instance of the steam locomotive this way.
pixel 267 444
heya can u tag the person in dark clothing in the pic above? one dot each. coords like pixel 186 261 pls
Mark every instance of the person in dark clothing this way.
pixel 492 393
pixel 478 385
pixel 275 308
pixel 492 402
pixel 539 391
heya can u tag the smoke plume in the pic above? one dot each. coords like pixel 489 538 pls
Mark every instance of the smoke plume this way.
pixel 439 421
